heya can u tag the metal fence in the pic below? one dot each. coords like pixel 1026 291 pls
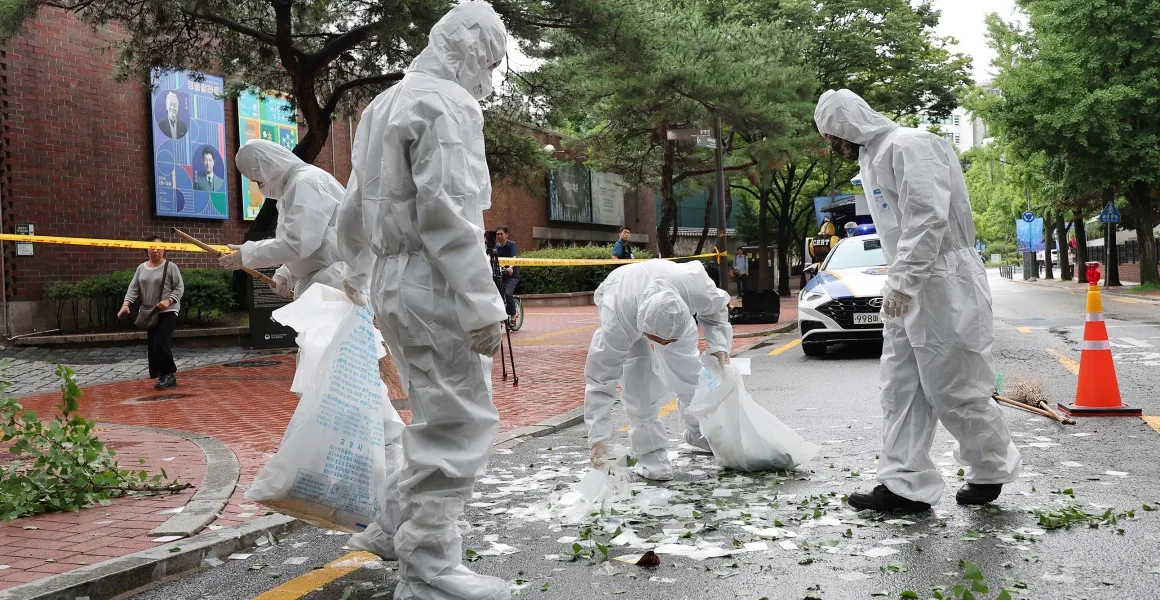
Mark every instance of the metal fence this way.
pixel 1007 271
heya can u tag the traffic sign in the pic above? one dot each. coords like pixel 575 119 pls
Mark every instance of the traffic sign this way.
pixel 1028 216
pixel 1110 214
pixel 688 134
pixel 706 141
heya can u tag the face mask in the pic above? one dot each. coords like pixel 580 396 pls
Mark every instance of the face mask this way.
pixel 480 86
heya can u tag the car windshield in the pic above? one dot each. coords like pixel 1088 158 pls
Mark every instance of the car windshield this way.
pixel 854 253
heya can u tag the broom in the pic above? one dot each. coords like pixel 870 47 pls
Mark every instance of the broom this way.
pixel 1029 395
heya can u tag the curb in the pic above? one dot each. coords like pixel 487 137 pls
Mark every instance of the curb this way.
pixel 114 577
pixel 1103 291
pixel 127 336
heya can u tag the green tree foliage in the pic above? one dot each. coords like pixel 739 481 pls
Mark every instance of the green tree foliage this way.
pixel 1081 87
pixel 333 56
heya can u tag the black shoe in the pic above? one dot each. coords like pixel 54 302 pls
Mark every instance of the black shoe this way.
pixel 884 500
pixel 167 381
pixel 974 494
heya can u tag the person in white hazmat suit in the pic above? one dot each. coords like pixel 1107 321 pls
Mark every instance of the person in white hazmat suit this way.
pixel 938 328
pixel 647 341
pixel 304 246
pixel 412 223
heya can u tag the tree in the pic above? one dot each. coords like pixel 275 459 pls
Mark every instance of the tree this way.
pixel 657 66
pixel 331 56
pixel 1081 87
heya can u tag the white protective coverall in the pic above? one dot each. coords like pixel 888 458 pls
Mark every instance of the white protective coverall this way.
pixel 659 298
pixel 304 243
pixel 936 358
pixel 412 220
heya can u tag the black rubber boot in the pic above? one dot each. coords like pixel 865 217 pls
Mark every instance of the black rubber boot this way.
pixel 884 500
pixel 974 494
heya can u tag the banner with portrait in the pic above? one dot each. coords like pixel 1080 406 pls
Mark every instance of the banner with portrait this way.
pixel 263 117
pixel 189 142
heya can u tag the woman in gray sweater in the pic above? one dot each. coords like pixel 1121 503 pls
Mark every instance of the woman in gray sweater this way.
pixel 158 281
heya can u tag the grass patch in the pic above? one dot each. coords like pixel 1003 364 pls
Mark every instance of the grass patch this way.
pixel 1147 288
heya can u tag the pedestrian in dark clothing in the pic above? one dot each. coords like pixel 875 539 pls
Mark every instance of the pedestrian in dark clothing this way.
pixel 158 280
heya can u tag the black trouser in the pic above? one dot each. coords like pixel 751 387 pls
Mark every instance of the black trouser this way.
pixel 742 282
pixel 161 345
pixel 509 290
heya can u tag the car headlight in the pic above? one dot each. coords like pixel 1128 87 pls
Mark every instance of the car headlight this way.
pixel 812 295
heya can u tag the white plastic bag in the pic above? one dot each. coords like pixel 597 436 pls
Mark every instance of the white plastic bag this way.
pixel 743 435
pixel 331 464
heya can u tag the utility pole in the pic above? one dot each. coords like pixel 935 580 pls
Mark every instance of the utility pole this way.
pixel 722 242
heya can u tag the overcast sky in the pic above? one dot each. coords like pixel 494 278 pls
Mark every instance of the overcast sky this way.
pixel 963 20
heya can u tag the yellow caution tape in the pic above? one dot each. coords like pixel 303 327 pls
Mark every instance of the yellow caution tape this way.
pixel 98 243
pixel 184 247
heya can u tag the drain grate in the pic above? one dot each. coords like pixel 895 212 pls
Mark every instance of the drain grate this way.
pixel 158 398
pixel 253 363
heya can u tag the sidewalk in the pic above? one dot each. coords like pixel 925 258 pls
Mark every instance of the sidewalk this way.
pixel 247 408
pixel 1079 288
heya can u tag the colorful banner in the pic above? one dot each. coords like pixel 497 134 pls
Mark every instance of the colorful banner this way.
pixel 1029 236
pixel 266 117
pixel 189 140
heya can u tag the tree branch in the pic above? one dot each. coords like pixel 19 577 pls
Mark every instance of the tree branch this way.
pixel 232 26
pixel 336 95
pixel 284 25
pixel 698 172
pixel 340 44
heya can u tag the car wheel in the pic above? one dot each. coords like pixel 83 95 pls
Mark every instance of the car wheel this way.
pixel 813 348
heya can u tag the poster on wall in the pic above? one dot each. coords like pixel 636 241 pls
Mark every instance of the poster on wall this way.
pixel 266 117
pixel 570 194
pixel 189 140
pixel 607 199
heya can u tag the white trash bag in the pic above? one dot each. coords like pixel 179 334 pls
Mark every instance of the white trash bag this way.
pixel 331 464
pixel 743 435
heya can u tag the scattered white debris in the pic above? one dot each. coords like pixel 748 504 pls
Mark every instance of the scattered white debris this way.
pixel 238 556
pixel 894 542
pixel 879 552
pixel 296 560
pixel 172 511
pixel 211 562
pixel 1071 464
pixel 170 459
pixel 1116 473
pixel 899 522
pixel 787 545
pixel 167 538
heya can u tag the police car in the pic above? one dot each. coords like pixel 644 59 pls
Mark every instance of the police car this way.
pixel 842 302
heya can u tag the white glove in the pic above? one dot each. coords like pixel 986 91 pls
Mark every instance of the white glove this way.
pixel 486 340
pixel 723 357
pixel 895 303
pixel 281 286
pixel 599 454
pixel 233 260
pixel 353 294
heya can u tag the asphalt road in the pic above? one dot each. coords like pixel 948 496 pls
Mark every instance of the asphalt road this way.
pixel 1096 466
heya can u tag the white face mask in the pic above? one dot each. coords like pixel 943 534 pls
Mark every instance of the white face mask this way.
pixel 480 86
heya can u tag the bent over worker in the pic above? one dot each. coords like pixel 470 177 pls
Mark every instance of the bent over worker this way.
pixel 647 341
pixel 304 244
pixel 938 327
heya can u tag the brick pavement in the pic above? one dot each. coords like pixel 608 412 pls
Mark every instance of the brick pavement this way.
pixel 33 369
pixel 248 408
pixel 36 547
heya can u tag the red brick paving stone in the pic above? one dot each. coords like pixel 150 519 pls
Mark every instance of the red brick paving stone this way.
pixel 97 534
pixel 248 409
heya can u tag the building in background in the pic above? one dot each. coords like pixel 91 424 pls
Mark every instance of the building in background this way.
pixel 961 128
pixel 81 156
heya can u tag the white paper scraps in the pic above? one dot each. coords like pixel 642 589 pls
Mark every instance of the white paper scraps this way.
pixel 894 542
pixel 899 522
pixel 170 459
pixel 296 560
pixel 722 493
pixel 172 511
pixel 770 533
pixel 1116 473
pixel 1071 464
pixel 787 545
pixel 879 552
pixel 239 556
pixel 756 547
pixel 167 538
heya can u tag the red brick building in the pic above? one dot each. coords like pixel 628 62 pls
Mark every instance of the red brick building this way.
pixel 76 161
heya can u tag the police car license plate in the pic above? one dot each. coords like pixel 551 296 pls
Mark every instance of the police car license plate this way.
pixel 867 318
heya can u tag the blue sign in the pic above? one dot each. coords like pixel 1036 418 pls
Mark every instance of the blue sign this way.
pixel 1028 216
pixel 1030 236
pixel 1110 214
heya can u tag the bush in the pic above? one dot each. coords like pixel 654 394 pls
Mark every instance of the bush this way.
pixel 207 295
pixel 563 280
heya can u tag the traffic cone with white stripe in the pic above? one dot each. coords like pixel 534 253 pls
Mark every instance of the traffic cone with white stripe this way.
pixel 1098 392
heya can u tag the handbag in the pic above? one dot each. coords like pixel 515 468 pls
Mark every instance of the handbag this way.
pixel 147 315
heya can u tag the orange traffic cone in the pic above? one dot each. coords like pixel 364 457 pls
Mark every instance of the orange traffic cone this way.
pixel 1098 392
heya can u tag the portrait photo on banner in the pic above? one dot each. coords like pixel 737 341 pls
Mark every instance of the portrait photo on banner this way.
pixel 189 141
pixel 267 116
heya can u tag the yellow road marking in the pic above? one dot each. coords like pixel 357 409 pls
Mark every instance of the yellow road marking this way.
pixel 785 347
pixel 1023 329
pixel 666 410
pixel 308 582
pixel 1067 362
pixel 1125 300
pixel 532 341
pixel 1153 422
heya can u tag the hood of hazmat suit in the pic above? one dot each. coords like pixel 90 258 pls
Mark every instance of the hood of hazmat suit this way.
pixel 918 199
pixel 660 298
pixel 305 241
pixel 411 230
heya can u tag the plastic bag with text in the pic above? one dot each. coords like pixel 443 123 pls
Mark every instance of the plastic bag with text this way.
pixel 331 464
pixel 743 435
